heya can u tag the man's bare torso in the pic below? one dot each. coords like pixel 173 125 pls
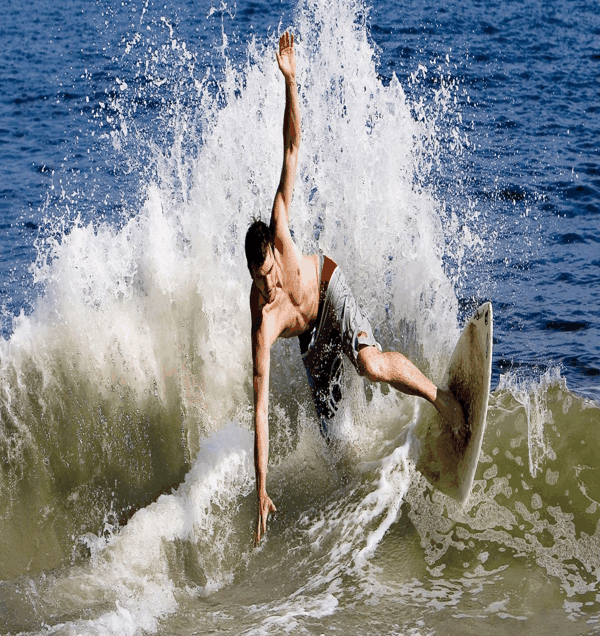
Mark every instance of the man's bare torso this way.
pixel 292 308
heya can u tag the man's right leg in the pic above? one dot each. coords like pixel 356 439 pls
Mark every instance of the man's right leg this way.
pixel 395 369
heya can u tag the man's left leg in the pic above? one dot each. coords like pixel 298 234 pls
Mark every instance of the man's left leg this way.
pixel 395 369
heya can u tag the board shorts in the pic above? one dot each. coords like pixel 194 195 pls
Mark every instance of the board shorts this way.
pixel 340 329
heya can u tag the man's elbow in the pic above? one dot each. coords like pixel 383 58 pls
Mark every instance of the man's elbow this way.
pixel 292 151
pixel 257 382
pixel 297 136
pixel 292 140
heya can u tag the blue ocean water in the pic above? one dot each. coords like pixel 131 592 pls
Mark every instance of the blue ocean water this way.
pixel 530 73
pixel 450 156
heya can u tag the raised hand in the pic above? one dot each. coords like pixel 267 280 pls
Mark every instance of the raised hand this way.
pixel 285 56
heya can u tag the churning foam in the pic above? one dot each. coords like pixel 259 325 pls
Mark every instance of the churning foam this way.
pixel 532 395
pixel 134 568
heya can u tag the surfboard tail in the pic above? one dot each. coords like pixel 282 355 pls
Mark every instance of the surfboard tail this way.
pixel 450 450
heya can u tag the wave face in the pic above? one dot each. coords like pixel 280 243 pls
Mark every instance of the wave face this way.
pixel 127 482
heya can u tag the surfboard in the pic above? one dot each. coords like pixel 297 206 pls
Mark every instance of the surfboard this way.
pixel 448 452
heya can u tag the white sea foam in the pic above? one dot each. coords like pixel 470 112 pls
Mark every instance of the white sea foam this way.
pixel 532 394
pixel 133 568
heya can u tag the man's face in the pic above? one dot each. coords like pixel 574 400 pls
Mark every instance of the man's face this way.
pixel 265 278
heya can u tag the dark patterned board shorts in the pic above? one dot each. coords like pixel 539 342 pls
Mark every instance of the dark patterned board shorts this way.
pixel 340 329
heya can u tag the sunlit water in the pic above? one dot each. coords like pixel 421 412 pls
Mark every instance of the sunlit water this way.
pixel 448 156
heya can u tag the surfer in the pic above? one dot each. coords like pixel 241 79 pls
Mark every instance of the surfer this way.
pixel 308 297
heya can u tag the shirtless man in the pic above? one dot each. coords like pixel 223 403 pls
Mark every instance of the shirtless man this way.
pixel 307 296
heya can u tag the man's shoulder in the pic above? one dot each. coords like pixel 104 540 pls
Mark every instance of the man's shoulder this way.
pixel 283 249
pixel 256 303
pixel 262 315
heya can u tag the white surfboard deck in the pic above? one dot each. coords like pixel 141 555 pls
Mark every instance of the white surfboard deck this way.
pixel 448 453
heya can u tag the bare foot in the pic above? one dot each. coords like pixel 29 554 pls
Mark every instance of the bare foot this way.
pixel 450 409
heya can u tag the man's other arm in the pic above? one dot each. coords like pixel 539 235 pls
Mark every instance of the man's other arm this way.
pixel 261 359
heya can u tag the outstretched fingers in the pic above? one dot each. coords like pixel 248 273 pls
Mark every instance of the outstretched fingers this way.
pixel 265 506
pixel 285 54
pixel 286 41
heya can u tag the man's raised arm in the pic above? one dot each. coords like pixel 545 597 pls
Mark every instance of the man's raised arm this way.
pixel 291 137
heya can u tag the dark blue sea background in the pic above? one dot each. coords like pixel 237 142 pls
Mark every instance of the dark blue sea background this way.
pixel 531 74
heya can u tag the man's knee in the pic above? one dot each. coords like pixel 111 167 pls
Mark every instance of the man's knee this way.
pixel 370 363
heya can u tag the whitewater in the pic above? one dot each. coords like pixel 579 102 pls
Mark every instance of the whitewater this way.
pixel 127 499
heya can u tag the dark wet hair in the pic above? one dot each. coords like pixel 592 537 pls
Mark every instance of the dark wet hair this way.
pixel 259 238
